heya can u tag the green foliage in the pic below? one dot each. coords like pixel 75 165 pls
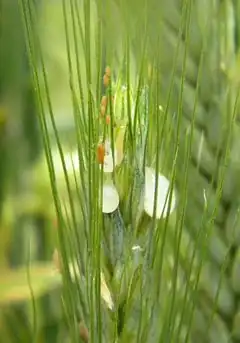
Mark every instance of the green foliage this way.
pixel 129 272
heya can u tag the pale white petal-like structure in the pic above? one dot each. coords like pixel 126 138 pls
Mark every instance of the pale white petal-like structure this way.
pixel 108 165
pixel 110 199
pixel 137 248
pixel 105 292
pixel 163 195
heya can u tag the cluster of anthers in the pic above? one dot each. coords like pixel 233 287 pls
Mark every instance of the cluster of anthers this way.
pixel 105 156
pixel 108 161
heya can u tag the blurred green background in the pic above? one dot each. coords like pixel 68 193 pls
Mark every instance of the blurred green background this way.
pixel 27 219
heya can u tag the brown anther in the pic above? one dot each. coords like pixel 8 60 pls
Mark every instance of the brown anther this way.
pixel 100 153
pixel 106 80
pixel 104 101
pixel 102 110
pixel 108 119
